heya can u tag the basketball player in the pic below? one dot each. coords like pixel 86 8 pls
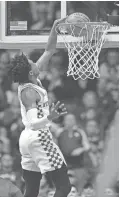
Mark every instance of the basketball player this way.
pixel 39 153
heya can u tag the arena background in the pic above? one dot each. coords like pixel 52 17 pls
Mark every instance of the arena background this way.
pixel 92 104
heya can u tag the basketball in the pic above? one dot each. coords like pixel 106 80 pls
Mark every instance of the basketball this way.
pixel 77 18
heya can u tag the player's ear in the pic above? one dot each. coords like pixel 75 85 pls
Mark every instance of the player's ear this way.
pixel 30 72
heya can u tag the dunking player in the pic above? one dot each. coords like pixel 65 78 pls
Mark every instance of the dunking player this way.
pixel 39 153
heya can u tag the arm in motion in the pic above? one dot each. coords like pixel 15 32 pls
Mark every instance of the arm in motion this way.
pixel 50 47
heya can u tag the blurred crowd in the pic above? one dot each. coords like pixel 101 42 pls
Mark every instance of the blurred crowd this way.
pixel 40 15
pixel 80 134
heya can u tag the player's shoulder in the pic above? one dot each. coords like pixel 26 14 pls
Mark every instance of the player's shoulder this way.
pixel 28 93
pixel 28 97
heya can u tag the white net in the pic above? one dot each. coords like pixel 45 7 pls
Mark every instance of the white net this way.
pixel 84 45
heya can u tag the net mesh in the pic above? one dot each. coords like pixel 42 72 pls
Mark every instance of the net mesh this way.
pixel 84 45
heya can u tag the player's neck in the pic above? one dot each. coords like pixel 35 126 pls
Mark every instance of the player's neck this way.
pixel 34 81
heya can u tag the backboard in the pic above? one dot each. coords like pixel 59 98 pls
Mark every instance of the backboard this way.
pixel 27 24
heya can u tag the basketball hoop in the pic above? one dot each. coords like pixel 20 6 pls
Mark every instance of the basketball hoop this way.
pixel 84 42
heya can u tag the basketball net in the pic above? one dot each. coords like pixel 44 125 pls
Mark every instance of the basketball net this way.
pixel 84 45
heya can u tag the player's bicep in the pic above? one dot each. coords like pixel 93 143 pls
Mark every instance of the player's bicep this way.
pixel 29 98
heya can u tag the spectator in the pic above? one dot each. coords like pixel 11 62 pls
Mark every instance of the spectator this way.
pixel 88 191
pixel 1 150
pixel 4 65
pixel 88 108
pixel 107 67
pixel 91 97
pixel 91 159
pixel 8 172
pixel 44 13
pixel 104 70
pixel 8 189
pixel 101 87
pixel 56 83
pixel 3 98
pixel 84 86
pixel 12 93
pixel 112 57
pixel 72 177
pixel 93 131
pixel 41 13
pixel 74 192
pixel 11 113
pixel 73 143
pixel 95 155
pixel 7 168
pixel 5 140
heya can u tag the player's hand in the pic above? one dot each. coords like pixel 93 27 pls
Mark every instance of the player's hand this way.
pixel 61 20
pixel 57 111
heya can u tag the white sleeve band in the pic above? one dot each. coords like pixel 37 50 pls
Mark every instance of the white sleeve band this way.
pixel 35 122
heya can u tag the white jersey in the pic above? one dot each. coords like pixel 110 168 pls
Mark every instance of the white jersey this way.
pixel 43 104
pixel 39 152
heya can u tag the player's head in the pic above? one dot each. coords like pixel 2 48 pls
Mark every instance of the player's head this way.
pixel 22 69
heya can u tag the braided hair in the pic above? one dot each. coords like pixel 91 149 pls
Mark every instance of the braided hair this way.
pixel 20 68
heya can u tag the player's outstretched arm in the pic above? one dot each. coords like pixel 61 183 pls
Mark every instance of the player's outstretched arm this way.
pixel 50 48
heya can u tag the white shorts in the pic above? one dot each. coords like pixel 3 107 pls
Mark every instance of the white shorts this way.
pixel 39 152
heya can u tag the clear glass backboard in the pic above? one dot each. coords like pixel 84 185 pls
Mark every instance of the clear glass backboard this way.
pixel 27 23
pixel 31 17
